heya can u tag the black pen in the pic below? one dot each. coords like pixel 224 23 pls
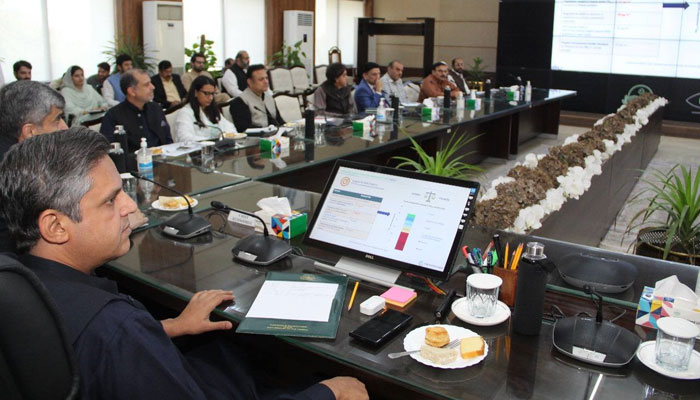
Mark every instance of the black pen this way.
pixel 442 310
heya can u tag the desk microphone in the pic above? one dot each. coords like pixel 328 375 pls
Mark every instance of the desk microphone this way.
pixel 181 225
pixel 256 249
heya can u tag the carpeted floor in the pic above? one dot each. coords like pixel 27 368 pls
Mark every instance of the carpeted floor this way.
pixel 672 150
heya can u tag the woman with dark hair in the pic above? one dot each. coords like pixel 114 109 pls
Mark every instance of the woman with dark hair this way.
pixel 200 118
pixel 334 96
pixel 81 99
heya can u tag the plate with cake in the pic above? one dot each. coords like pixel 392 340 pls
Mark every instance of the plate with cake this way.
pixel 432 341
pixel 167 203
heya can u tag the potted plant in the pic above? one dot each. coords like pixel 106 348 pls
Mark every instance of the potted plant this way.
pixel 205 47
pixel 446 162
pixel 674 197
pixel 288 56
pixel 476 74
pixel 123 44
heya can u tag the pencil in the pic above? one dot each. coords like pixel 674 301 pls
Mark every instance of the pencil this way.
pixel 516 259
pixel 352 297
pixel 505 261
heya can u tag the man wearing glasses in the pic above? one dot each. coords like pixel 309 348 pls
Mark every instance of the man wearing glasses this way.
pixel 140 116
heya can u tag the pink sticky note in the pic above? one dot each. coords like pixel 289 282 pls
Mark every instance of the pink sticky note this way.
pixel 398 295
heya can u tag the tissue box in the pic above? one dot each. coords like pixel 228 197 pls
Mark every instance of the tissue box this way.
pixel 473 104
pixel 651 308
pixel 289 226
pixel 273 144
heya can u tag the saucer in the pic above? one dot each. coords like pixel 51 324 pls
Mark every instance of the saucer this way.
pixel 459 307
pixel 647 355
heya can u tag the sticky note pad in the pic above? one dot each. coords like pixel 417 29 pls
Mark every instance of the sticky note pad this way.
pixel 399 296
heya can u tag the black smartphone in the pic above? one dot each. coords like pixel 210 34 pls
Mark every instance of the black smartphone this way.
pixel 381 328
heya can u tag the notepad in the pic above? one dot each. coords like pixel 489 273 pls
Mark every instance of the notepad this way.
pixel 399 296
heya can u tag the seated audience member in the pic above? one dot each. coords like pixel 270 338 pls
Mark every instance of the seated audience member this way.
pixel 197 62
pixel 201 119
pixel 140 116
pixel 434 84
pixel 98 79
pixel 255 107
pixel 80 98
pixel 22 70
pixel 456 75
pixel 334 96
pixel 27 108
pixel 235 78
pixel 63 199
pixel 392 85
pixel 111 90
pixel 227 64
pixel 369 92
pixel 169 90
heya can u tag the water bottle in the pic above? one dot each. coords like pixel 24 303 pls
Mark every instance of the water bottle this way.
pixel 447 97
pixel 528 91
pixel 309 128
pixel 533 272
pixel 116 153
pixel 487 89
pixel 381 111
pixel 144 160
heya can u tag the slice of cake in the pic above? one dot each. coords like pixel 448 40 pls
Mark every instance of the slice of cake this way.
pixel 471 347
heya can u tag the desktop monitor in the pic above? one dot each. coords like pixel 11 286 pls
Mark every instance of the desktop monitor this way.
pixel 393 218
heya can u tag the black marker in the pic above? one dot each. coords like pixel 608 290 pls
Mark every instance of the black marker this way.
pixel 499 250
pixel 442 310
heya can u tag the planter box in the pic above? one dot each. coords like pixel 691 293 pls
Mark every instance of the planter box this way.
pixel 587 219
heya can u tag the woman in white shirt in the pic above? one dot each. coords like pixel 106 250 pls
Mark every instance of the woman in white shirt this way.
pixel 201 119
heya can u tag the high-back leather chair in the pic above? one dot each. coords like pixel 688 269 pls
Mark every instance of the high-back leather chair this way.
pixel 36 359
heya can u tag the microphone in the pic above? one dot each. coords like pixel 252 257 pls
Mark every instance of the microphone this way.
pixel 599 304
pixel 256 249
pixel 181 226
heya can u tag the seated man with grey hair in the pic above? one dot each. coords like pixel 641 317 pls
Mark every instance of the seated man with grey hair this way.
pixel 62 197
pixel 138 113
pixel 392 83
pixel 27 108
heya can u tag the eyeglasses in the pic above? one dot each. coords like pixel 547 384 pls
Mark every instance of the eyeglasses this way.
pixel 208 94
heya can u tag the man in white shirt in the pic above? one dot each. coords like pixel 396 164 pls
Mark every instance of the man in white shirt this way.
pixel 392 83
pixel 235 79
pixel 111 90
pixel 456 75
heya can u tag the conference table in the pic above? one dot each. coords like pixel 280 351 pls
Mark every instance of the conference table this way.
pixel 169 272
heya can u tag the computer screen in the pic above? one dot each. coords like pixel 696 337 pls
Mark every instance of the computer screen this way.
pixel 641 37
pixel 395 218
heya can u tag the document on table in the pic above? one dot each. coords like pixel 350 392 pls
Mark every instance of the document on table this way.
pixel 299 301
pixel 293 304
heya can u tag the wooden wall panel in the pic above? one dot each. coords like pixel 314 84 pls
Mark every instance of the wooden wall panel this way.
pixel 274 21
pixel 129 15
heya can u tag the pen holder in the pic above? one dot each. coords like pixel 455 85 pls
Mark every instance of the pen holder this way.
pixel 508 288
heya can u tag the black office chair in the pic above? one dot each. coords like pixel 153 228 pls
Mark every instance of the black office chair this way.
pixel 36 359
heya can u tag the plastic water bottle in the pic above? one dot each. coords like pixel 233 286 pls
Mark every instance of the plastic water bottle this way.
pixel 528 91
pixel 381 111
pixel 144 159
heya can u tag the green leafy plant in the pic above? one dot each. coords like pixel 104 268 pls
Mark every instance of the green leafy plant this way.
pixel 675 196
pixel 123 44
pixel 288 56
pixel 445 162
pixel 476 70
pixel 205 47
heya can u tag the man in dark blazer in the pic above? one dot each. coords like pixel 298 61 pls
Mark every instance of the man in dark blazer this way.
pixel 141 117
pixel 168 90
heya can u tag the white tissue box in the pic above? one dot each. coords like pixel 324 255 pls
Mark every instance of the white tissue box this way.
pixel 651 308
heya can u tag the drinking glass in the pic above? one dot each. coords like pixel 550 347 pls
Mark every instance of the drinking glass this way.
pixel 674 342
pixel 482 294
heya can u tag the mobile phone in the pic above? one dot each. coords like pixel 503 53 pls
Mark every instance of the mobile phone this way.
pixel 381 328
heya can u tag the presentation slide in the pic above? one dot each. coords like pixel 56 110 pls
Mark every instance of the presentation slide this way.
pixel 634 37
pixel 408 220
